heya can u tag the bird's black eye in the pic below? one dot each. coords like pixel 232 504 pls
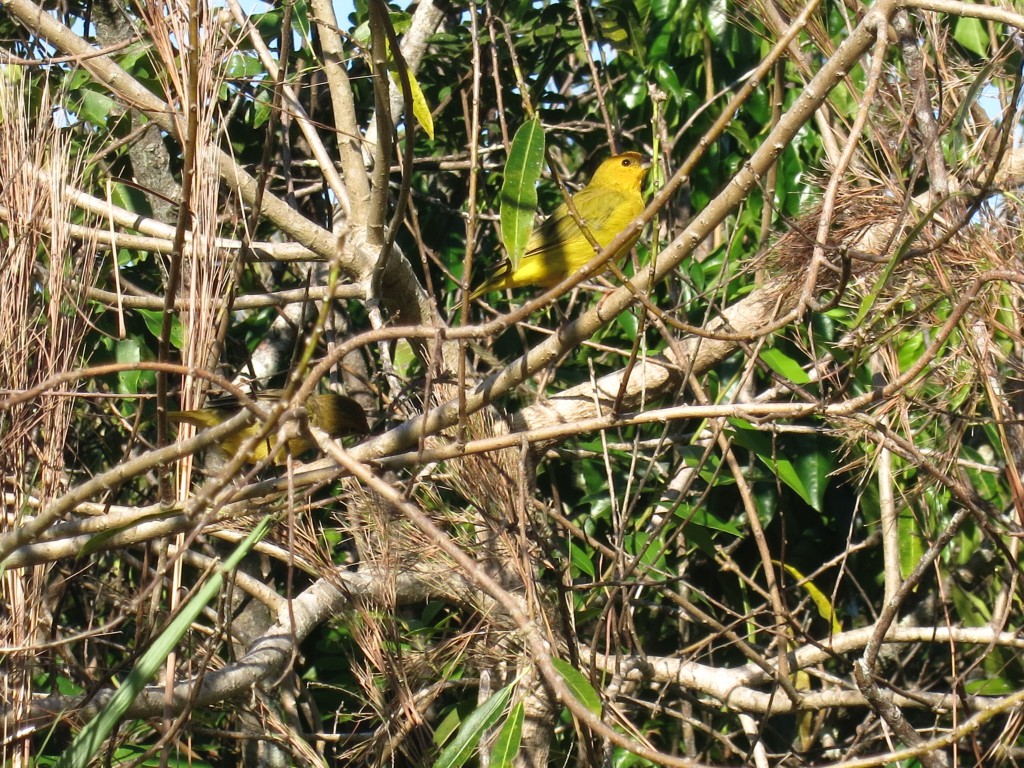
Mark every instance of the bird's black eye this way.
pixel 626 163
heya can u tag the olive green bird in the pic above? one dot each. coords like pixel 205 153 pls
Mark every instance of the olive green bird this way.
pixel 337 415
pixel 559 247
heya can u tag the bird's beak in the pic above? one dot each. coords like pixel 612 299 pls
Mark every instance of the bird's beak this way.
pixel 646 163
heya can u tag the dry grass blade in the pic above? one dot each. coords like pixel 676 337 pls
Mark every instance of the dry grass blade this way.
pixel 43 278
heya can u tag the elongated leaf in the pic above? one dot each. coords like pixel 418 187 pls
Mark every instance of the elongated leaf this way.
pixel 972 35
pixel 579 685
pixel 519 189
pixel 131 199
pixel 300 19
pixel 129 351
pixel 420 109
pixel 154 319
pixel 472 730
pixel 784 365
pixel 819 598
pixel 511 736
pixel 911 543
pixel 700 516
pixel 582 560
pixel 814 468
pixel 779 465
pixel 447 727
pixel 90 739
pixel 96 107
pixel 787 473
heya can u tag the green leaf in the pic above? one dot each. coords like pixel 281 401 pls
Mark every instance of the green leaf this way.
pixel 651 549
pixel 77 78
pixel 126 258
pixel 448 725
pixel 581 560
pixel 989 687
pixel 68 687
pixel 262 107
pixel 300 19
pixel 612 29
pixel 473 729
pixel 629 324
pixel 814 464
pixel 911 545
pixel 986 484
pixel 361 34
pixel 706 519
pixel 787 473
pixel 130 198
pixel 579 685
pixel 89 741
pixel 519 189
pixel 506 747
pixel 242 65
pixel 399 20
pixel 136 60
pixel 669 80
pixel 971 34
pixel 911 346
pixel 154 319
pixel 780 466
pixel 128 351
pixel 96 107
pixel 784 365
pixel 404 358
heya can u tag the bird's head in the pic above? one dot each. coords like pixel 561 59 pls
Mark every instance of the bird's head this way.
pixel 623 172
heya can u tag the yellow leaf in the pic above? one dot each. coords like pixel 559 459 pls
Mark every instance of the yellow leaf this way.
pixel 420 110
pixel 819 598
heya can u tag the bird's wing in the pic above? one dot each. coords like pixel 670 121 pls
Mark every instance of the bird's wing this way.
pixel 560 227
pixel 502 270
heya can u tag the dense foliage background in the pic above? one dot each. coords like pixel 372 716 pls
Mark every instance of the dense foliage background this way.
pixel 752 496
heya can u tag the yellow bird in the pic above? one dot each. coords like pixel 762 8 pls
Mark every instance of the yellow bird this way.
pixel 558 247
pixel 337 415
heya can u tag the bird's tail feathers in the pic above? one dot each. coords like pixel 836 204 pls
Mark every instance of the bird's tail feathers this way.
pixel 495 281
